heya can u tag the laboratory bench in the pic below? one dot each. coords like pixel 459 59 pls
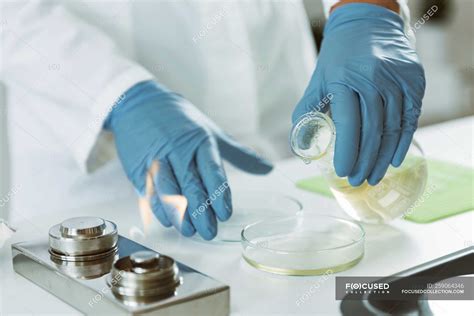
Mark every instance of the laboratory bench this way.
pixel 389 249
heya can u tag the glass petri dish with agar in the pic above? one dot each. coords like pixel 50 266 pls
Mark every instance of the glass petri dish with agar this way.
pixel 305 244
pixel 250 206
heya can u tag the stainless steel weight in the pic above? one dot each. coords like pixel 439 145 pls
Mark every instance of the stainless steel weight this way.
pixel 144 276
pixel 88 265
pixel 82 236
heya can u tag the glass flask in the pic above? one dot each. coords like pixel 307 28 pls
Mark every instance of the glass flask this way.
pixel 313 138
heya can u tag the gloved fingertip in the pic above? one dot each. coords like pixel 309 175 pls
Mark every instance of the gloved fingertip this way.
pixel 344 161
pixel 264 167
pixel 159 212
pixel 259 166
pixel 208 233
pixel 372 180
pixel 356 181
pixel 402 149
pixel 378 172
pixel 396 162
pixel 165 223
pixel 187 229
pixel 341 170
pixel 225 214
pixel 242 157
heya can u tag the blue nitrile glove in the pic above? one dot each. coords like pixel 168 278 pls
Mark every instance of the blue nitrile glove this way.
pixel 152 123
pixel 375 84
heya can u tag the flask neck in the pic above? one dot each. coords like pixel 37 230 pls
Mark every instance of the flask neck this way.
pixel 312 139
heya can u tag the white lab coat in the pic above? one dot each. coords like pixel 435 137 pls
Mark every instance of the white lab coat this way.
pixel 65 63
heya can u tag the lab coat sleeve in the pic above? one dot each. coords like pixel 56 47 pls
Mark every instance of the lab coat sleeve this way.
pixel 76 70
pixel 404 13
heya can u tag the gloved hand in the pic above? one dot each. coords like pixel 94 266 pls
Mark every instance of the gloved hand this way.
pixel 375 84
pixel 153 124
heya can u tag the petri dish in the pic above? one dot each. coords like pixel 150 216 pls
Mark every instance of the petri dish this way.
pixel 304 244
pixel 250 206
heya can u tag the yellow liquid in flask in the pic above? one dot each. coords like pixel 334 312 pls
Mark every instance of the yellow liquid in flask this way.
pixel 392 197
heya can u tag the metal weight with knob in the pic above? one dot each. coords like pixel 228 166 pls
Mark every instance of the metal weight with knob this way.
pixel 84 247
pixel 83 227
pixel 144 261
pixel 144 276
pixel 83 236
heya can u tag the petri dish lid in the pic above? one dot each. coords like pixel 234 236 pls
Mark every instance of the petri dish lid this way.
pixel 304 244
pixel 250 206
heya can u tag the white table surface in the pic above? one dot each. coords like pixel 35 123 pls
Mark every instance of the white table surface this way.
pixel 389 249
